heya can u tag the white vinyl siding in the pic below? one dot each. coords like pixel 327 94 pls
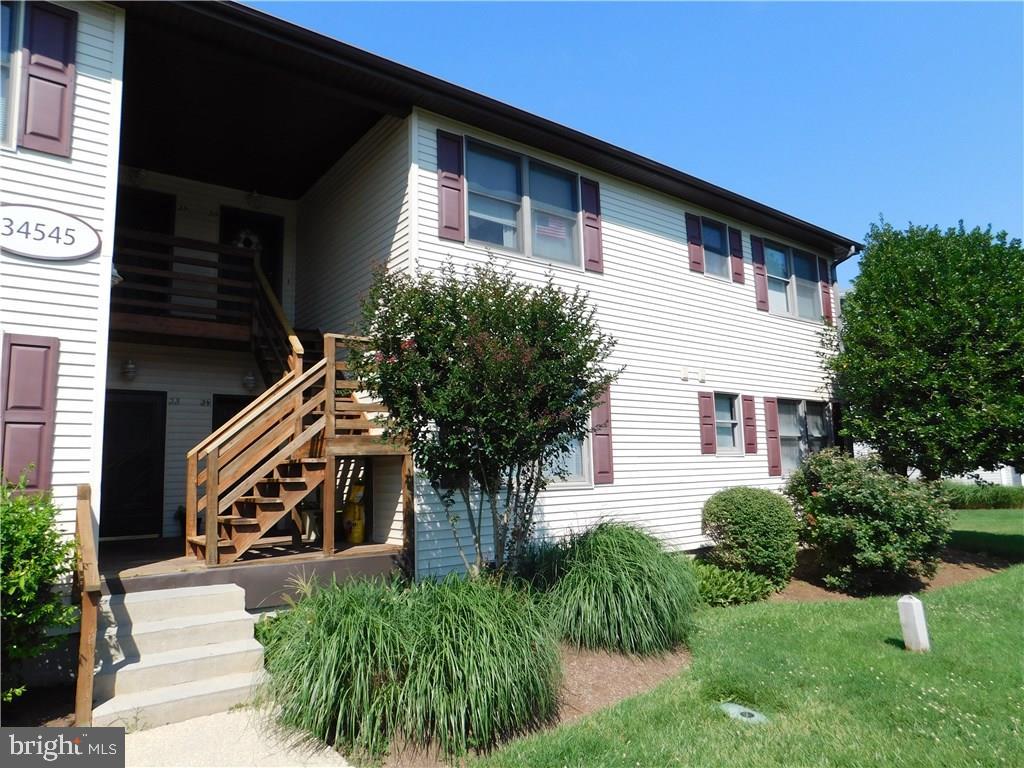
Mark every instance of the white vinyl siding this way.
pixel 353 220
pixel 665 318
pixel 70 300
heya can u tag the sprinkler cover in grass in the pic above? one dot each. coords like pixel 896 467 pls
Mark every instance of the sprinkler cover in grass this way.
pixel 743 714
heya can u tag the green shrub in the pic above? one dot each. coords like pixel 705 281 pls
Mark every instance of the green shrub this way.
pixel 869 528
pixel 754 530
pixel 34 558
pixel 487 666
pixel 720 586
pixel 460 664
pixel 974 496
pixel 615 587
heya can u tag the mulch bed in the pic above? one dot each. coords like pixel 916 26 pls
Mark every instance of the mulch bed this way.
pixel 591 680
pixel 956 567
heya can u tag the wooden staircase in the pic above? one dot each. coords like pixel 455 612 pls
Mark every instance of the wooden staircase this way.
pixel 257 468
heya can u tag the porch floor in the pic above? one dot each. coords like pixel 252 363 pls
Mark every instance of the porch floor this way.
pixel 265 571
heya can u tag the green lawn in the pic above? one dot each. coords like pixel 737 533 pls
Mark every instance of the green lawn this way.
pixel 837 685
pixel 996 531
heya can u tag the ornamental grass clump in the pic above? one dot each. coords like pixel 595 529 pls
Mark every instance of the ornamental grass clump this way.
pixel 336 661
pixel 484 667
pixel 454 665
pixel 618 589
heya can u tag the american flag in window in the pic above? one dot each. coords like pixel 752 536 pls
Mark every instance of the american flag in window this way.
pixel 551 226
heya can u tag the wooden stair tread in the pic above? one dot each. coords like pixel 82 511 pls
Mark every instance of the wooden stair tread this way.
pixel 201 541
pixel 237 520
pixel 259 500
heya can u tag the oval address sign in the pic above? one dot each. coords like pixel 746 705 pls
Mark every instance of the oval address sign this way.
pixel 43 233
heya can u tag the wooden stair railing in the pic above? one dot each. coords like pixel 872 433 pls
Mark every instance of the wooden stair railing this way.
pixel 258 466
pixel 228 471
pixel 275 343
pixel 87 579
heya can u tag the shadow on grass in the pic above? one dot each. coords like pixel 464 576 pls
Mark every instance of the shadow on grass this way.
pixel 1008 545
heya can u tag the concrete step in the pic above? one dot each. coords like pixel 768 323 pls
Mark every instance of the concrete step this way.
pixel 137 640
pixel 183 665
pixel 174 703
pixel 140 607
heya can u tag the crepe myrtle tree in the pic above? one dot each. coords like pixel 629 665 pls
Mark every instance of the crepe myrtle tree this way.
pixel 929 358
pixel 491 381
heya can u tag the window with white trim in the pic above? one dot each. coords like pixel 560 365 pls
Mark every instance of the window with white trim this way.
pixel 804 428
pixel 576 464
pixel 727 423
pixel 792 282
pixel 12 16
pixel 509 195
pixel 716 248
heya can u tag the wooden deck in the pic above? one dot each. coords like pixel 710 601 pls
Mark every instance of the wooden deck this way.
pixel 265 573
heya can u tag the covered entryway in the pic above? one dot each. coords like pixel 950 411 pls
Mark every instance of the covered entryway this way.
pixel 133 464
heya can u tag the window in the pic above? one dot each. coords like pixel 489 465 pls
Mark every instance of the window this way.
pixel 553 208
pixel 727 423
pixel 792 282
pixel 10 46
pixel 803 429
pixel 495 196
pixel 716 248
pixel 501 206
pixel 575 463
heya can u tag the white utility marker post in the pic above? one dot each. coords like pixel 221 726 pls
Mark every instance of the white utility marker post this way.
pixel 915 630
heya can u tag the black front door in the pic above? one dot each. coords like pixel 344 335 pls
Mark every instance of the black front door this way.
pixel 226 406
pixel 132 495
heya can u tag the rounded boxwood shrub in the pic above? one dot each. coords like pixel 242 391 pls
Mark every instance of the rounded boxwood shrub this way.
pixel 869 528
pixel 754 530
pixel 719 586
pixel 457 664
pixel 615 587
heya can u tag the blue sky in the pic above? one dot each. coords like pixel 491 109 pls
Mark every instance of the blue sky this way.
pixel 835 113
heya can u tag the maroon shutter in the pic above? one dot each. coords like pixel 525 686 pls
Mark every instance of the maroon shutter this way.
pixel 706 409
pixel 49 82
pixel 696 242
pixel 29 407
pixel 736 254
pixel 593 253
pixel 601 439
pixel 450 186
pixel 749 425
pixel 760 272
pixel 771 435
pixel 826 289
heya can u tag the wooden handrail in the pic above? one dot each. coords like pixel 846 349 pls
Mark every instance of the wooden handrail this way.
pixel 286 386
pixel 89 583
pixel 275 305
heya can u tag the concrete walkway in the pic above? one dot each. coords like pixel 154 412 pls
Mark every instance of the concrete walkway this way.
pixel 242 737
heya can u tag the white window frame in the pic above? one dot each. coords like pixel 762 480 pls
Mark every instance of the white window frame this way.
pixel 736 423
pixel 578 483
pixel 791 282
pixel 727 277
pixel 804 438
pixel 524 222
pixel 14 92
